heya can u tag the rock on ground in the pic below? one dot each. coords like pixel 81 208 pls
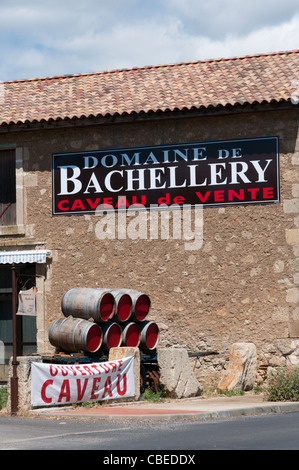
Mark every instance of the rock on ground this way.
pixel 176 375
pixel 242 368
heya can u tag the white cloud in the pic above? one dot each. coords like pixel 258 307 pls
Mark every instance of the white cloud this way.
pixel 217 18
pixel 43 39
pixel 282 37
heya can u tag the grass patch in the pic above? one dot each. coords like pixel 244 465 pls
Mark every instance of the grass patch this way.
pixel 150 395
pixel 91 404
pixel 3 397
pixel 231 393
pixel 283 385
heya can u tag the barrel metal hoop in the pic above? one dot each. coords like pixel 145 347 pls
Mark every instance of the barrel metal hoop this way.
pixel 52 327
pixel 85 335
pixel 96 307
pixel 63 302
pixel 58 333
pixel 72 295
pixel 74 332
pixel 86 300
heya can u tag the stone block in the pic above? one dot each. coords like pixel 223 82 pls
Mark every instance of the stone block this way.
pixel 24 382
pixel 242 368
pixel 293 358
pixel 291 206
pixel 295 159
pixel 295 190
pixel 176 375
pixel 293 295
pixel 120 353
pixel 294 329
pixel 292 236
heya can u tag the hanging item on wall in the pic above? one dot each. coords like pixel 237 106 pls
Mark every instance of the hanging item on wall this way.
pixel 27 302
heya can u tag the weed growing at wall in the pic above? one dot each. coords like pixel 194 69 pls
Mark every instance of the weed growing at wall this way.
pixel 283 385
pixel 153 396
pixel 3 397
pixel 231 393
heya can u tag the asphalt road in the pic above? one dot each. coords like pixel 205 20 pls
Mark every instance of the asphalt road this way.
pixel 263 432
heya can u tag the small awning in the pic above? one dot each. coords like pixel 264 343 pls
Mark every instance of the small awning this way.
pixel 31 256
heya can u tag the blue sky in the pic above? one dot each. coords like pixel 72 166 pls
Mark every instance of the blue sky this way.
pixel 39 38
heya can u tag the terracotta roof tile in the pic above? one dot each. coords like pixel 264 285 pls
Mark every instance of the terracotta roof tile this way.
pixel 203 84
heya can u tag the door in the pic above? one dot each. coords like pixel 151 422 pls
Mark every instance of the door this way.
pixel 26 325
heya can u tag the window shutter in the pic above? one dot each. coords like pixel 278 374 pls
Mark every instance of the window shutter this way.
pixel 7 187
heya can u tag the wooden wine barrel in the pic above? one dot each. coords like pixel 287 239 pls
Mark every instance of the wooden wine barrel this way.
pixel 140 304
pixel 130 334
pixel 84 302
pixel 74 335
pixel 123 305
pixel 149 335
pixel 112 335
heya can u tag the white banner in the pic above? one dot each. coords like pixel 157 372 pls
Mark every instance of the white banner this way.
pixel 55 384
pixel 27 304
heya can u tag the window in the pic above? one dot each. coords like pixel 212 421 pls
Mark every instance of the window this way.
pixel 7 187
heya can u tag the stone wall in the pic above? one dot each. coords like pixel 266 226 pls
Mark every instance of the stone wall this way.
pixel 240 286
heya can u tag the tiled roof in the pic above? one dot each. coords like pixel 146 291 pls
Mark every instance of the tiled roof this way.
pixel 185 86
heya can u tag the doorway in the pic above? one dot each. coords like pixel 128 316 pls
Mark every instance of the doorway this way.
pixel 26 325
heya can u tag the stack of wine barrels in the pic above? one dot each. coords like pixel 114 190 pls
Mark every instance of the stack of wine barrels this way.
pixel 98 319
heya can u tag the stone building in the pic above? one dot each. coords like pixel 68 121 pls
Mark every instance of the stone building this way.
pixel 219 136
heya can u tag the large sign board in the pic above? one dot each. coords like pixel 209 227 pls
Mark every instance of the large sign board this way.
pixel 243 171
pixel 56 384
